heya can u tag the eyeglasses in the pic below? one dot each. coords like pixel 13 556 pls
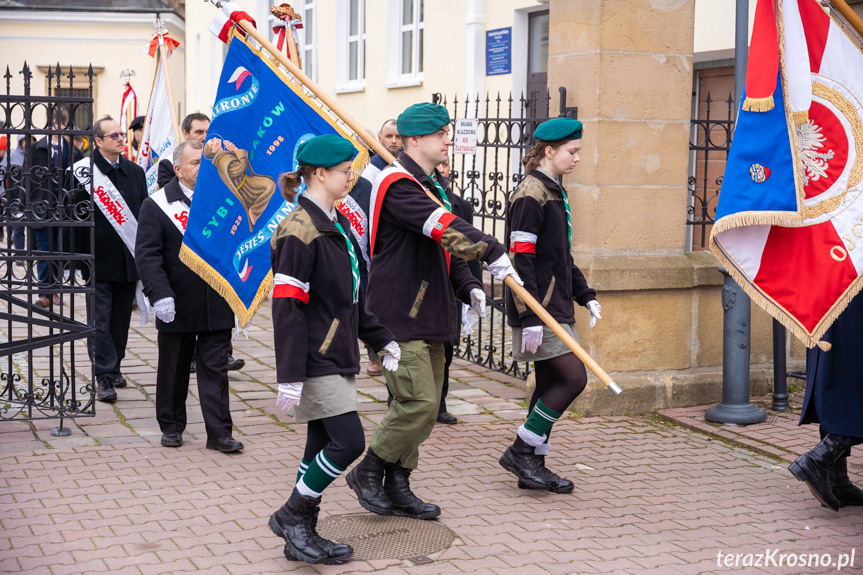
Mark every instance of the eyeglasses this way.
pixel 346 171
pixel 115 136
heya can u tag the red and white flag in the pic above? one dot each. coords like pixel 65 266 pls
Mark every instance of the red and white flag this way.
pixel 797 248
pixel 158 138
pixel 230 12
pixel 129 106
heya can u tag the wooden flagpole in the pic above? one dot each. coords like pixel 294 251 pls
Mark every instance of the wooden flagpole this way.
pixel 850 16
pixel 163 58
pixel 386 155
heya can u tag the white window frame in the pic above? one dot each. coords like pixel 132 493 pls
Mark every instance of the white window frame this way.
pixel 343 47
pixel 309 52
pixel 395 77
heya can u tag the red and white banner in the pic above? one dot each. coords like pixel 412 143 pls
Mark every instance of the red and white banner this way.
pixel 223 22
pixel 129 106
pixel 795 249
pixel 158 138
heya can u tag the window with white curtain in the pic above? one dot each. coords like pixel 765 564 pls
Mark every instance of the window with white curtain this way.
pixel 406 37
pixel 351 45
pixel 309 37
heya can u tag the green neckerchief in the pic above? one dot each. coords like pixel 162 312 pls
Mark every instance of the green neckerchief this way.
pixel 565 205
pixel 442 193
pixel 568 216
pixel 355 263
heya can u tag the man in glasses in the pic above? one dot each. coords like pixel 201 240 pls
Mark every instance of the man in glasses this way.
pixel 119 188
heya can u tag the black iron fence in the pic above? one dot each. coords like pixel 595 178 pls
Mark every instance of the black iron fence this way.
pixel 46 256
pixel 709 141
pixel 487 178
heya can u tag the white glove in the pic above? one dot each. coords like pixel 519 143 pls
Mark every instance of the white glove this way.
pixel 468 319
pixel 502 267
pixel 289 395
pixel 595 309
pixel 164 309
pixel 477 302
pixel 390 356
pixel 531 338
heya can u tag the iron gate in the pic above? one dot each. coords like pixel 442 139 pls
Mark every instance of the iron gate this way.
pixel 487 179
pixel 46 257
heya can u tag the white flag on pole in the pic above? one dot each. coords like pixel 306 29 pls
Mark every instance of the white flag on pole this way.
pixel 157 140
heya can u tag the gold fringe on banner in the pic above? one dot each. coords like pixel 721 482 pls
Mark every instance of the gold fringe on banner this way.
pixel 800 118
pixel 758 104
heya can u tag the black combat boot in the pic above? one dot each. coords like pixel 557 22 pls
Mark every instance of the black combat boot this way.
pixel 846 492
pixel 398 488
pixel 557 484
pixel 336 552
pixel 520 459
pixel 293 522
pixel 367 481
pixel 106 390
pixel 814 467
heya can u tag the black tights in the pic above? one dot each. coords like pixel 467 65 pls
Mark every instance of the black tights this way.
pixel 558 382
pixel 342 435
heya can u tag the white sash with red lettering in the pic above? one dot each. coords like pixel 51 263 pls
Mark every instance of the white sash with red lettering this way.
pixel 113 206
pixel 177 212
pixel 359 222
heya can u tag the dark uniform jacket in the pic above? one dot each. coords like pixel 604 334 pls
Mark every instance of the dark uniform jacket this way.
pixel 114 261
pixel 410 290
pixel 165 173
pixel 544 261
pixel 834 379
pixel 157 253
pixel 316 332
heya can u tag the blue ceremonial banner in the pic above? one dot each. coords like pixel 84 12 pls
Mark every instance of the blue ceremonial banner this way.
pixel 259 119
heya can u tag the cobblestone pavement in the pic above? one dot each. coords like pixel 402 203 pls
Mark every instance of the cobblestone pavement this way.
pixel 658 494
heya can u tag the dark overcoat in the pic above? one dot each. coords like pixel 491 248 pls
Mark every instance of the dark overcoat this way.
pixel 157 253
pixel 834 379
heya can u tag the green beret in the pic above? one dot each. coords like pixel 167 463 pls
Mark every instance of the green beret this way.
pixel 325 151
pixel 558 129
pixel 422 119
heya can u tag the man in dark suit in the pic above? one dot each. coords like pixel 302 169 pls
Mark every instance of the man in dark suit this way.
pixel 116 276
pixel 188 312
pixel 49 163
pixel 834 399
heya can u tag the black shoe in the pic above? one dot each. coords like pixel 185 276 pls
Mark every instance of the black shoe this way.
pixel 557 484
pixel 367 481
pixel 172 439
pixel 446 418
pixel 120 381
pixel 398 489
pixel 292 522
pixel 520 460
pixel 106 390
pixel 193 367
pixel 814 467
pixel 225 444
pixel 336 552
pixel 846 492
pixel 235 364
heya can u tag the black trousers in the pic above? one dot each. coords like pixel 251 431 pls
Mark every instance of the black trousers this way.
pixel 111 312
pixel 341 435
pixel 172 380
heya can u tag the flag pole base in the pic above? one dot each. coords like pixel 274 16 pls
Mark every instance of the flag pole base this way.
pixel 615 388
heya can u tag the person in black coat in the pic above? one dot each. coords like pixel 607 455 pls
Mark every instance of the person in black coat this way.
pixel 188 312
pixel 115 273
pixel 194 127
pixel 834 399
pixel 49 166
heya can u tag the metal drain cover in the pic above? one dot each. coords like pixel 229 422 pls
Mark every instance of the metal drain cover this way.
pixel 387 537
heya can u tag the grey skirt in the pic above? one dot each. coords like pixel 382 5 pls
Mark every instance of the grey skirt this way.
pixel 326 396
pixel 551 346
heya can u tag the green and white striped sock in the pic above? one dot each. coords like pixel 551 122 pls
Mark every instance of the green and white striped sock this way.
pixel 320 473
pixel 304 465
pixel 538 425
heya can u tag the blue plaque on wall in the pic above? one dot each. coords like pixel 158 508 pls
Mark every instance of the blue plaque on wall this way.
pixel 498 51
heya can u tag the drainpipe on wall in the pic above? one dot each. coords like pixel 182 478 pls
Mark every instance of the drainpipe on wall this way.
pixel 475 46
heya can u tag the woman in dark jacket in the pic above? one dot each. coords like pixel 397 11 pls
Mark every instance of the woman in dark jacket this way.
pixel 318 314
pixel 539 231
